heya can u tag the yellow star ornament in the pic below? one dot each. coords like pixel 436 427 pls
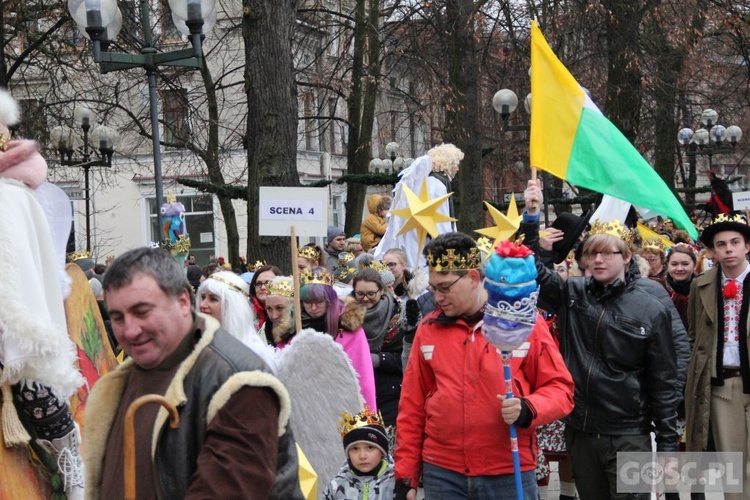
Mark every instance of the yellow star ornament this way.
pixel 505 225
pixel 422 213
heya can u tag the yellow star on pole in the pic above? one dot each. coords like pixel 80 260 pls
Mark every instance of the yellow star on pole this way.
pixel 422 213
pixel 505 225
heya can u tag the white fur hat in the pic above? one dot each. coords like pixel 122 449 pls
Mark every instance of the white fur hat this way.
pixel 9 112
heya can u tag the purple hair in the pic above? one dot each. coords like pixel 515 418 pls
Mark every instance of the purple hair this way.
pixel 328 294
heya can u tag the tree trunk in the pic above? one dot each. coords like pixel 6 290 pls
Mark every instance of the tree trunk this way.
pixel 213 166
pixel 624 91
pixel 267 29
pixel 462 112
pixel 361 106
pixel 668 68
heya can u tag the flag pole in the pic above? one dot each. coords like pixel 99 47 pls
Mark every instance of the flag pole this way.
pixel 505 356
pixel 295 279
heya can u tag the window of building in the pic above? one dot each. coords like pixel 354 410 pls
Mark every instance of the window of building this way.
pixel 33 124
pixel 175 116
pixel 131 21
pixel 308 103
pixel 168 29
pixel 337 210
pixel 332 129
pixel 199 224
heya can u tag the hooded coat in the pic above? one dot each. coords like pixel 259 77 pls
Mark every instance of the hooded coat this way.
pixel 374 226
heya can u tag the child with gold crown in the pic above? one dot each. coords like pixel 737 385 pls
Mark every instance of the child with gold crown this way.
pixel 368 471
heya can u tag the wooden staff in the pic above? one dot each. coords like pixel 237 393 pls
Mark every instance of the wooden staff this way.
pixel 533 178
pixel 295 278
pixel 129 436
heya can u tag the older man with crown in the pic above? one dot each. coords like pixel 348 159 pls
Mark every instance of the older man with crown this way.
pixel 617 342
pixel 454 420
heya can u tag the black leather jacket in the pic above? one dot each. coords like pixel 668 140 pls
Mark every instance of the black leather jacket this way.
pixel 617 343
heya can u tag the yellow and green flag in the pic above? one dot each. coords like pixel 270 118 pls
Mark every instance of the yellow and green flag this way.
pixel 573 140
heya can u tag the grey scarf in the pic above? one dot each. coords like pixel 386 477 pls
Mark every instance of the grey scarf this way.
pixel 376 322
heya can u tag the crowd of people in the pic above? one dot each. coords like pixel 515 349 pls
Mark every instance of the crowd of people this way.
pixel 636 344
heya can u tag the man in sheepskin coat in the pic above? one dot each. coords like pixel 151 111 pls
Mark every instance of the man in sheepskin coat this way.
pixel 233 440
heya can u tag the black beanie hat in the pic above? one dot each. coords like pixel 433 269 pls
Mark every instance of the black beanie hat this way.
pixel 372 434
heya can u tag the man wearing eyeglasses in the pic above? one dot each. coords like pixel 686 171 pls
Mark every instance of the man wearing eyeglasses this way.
pixel 453 419
pixel 617 341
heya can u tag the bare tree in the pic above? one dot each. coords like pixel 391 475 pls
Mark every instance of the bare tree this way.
pixel 267 28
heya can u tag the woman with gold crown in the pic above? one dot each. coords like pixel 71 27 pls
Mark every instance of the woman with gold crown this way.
pixel 36 355
pixel 342 320
pixel 654 251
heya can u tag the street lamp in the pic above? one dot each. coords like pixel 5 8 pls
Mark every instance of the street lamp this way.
pixel 100 21
pixel 65 141
pixel 505 102
pixel 710 139
pixel 392 164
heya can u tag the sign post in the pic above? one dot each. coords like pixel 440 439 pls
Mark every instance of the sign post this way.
pixel 741 200
pixel 289 211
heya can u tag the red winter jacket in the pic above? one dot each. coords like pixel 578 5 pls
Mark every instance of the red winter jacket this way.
pixel 449 414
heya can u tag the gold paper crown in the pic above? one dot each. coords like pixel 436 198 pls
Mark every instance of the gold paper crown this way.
pixel 281 285
pixel 4 142
pixel 485 246
pixel 345 258
pixel 171 198
pixel 319 276
pixel 364 418
pixel 254 267
pixel 725 218
pixel 343 273
pixel 78 255
pixel 450 261
pixel 182 245
pixel 614 228
pixel 379 266
pixel 310 253
pixel 654 244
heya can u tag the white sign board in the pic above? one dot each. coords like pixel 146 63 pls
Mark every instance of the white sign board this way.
pixel 741 200
pixel 74 193
pixel 283 207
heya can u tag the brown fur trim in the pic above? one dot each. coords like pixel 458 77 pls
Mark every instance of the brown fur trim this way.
pixel 353 316
pixel 101 408
pixel 252 379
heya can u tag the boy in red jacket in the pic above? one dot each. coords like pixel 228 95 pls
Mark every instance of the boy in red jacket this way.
pixel 453 420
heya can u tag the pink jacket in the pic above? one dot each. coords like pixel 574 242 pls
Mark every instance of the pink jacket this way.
pixel 355 346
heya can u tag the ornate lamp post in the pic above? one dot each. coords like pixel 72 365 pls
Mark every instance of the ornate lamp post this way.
pixel 65 141
pixel 712 138
pixel 101 20
pixel 392 164
pixel 505 102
